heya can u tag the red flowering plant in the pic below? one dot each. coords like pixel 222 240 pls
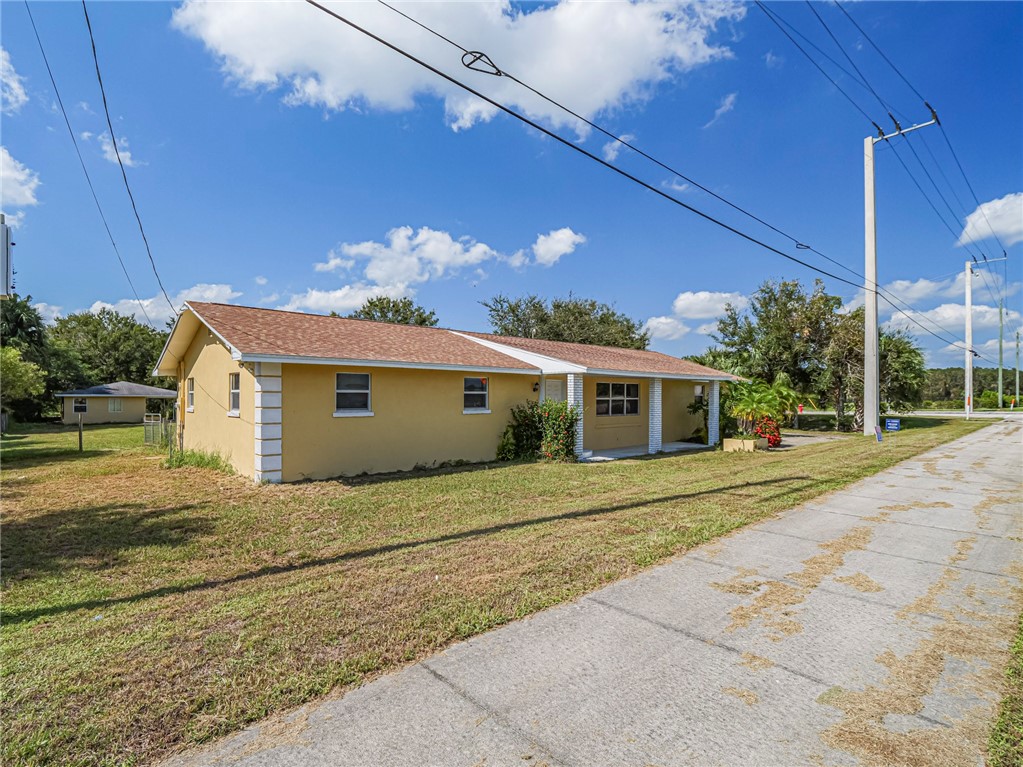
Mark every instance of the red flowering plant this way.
pixel 544 430
pixel 767 428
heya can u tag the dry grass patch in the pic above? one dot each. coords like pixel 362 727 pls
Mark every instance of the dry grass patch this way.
pixel 147 609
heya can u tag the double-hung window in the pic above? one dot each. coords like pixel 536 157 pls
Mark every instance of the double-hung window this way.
pixel 698 394
pixel 234 393
pixel 617 398
pixel 80 405
pixel 114 405
pixel 352 394
pixel 475 395
pixel 190 395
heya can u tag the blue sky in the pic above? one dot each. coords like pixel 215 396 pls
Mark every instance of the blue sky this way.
pixel 279 159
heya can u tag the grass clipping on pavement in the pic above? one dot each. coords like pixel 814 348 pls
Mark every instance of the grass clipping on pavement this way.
pixel 146 609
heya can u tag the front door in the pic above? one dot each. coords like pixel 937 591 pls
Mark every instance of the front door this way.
pixel 554 390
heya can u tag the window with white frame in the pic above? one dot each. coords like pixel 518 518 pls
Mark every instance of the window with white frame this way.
pixel 190 394
pixel 475 394
pixel 114 405
pixel 698 394
pixel 617 398
pixel 351 393
pixel 234 392
pixel 80 405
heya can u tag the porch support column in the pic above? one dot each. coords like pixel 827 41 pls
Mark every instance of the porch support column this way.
pixel 714 413
pixel 268 420
pixel 654 445
pixel 575 399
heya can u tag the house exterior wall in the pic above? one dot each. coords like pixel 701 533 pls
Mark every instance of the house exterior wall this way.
pixel 417 420
pixel 98 410
pixel 208 427
pixel 604 432
pixel 679 425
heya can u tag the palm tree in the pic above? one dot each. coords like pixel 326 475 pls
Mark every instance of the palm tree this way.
pixel 751 401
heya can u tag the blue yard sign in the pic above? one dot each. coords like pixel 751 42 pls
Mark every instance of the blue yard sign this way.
pixel 892 424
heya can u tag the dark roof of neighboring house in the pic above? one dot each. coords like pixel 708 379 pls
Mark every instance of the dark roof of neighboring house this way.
pixel 606 357
pixel 121 389
pixel 273 332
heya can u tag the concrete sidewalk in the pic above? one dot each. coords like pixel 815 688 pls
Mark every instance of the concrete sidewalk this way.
pixel 870 626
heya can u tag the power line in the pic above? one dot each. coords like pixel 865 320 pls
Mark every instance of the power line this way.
pixel 571 145
pixel 81 160
pixel 876 48
pixel 850 99
pixel 471 59
pixel 120 163
pixel 490 68
pixel 884 105
pixel 897 71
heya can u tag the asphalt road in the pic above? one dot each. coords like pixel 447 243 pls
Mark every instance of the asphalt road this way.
pixel 870 626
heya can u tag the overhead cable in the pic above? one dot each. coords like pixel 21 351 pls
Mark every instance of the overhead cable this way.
pixel 81 160
pixel 573 146
pixel 120 162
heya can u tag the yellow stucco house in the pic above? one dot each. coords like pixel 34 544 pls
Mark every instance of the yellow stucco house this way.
pixel 286 396
pixel 118 402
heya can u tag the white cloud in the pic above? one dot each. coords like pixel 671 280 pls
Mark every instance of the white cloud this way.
pixel 706 304
pixel 548 248
pixel 158 310
pixel 12 86
pixel 727 105
pixel 49 312
pixel 1004 216
pixel 319 62
pixel 665 328
pixel 84 106
pixel 773 60
pixel 613 148
pixel 953 318
pixel 707 328
pixel 107 145
pixel 409 257
pixel 86 135
pixel 342 300
pixel 19 185
pixel 14 220
pixel 260 280
pixel 674 185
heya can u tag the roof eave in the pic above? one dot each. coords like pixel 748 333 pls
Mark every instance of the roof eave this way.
pixel 350 362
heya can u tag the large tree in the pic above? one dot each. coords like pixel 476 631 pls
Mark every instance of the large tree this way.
pixel 111 346
pixel 22 328
pixel 784 330
pixel 400 311
pixel 578 320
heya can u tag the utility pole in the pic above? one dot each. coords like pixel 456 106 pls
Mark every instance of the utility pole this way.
pixel 1000 336
pixel 968 367
pixel 1017 368
pixel 871 373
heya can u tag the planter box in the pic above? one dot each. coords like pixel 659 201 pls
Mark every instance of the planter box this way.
pixel 743 445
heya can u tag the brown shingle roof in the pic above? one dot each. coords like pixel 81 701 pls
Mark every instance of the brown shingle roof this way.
pixel 280 333
pixel 606 357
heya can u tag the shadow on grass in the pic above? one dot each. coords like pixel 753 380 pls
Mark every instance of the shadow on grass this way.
pixel 96 535
pixel 31 457
pixel 270 570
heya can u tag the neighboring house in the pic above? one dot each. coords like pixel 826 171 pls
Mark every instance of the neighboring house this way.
pixel 286 396
pixel 120 402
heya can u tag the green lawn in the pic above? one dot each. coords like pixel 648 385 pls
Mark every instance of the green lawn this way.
pixel 146 609
pixel 1005 748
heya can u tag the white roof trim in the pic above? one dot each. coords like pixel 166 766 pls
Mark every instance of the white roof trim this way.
pixel 166 345
pixel 235 354
pixel 341 361
pixel 548 365
pixel 670 376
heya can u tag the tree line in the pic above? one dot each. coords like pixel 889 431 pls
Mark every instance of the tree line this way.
pixel 802 338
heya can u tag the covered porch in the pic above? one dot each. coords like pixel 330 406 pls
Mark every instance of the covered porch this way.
pixel 626 414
